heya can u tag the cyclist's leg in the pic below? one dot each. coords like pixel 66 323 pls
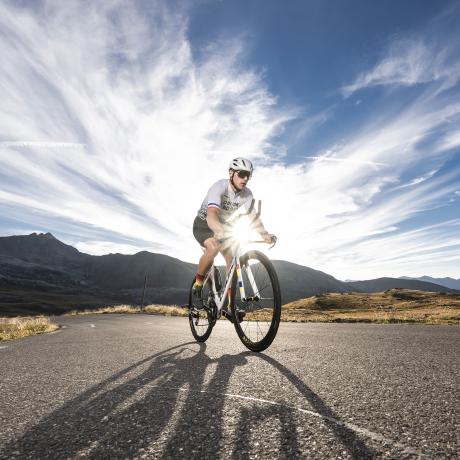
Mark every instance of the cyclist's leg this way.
pixel 228 256
pixel 211 249
pixel 205 237
pixel 202 316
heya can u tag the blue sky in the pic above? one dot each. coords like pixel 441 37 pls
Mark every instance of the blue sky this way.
pixel 117 116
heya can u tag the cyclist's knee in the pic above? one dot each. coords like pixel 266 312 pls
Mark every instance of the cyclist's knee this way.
pixel 227 255
pixel 212 246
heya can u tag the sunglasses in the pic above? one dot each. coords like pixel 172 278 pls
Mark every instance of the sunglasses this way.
pixel 243 174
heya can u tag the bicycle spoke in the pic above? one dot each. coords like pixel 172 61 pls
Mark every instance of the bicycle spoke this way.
pixel 261 289
pixel 262 315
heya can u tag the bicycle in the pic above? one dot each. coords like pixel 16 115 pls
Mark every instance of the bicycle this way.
pixel 255 307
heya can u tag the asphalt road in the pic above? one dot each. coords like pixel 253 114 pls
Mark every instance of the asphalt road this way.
pixel 138 386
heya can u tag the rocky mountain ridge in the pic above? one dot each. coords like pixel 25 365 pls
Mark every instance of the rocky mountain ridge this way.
pixel 38 264
pixel 449 282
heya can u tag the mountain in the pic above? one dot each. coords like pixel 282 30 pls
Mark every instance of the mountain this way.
pixel 42 248
pixel 383 284
pixel 39 273
pixel 31 265
pixel 451 283
pixel 298 281
pixel 119 271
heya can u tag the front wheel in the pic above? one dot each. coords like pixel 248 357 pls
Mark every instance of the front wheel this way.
pixel 200 317
pixel 257 316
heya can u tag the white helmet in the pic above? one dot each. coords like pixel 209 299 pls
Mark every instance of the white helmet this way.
pixel 241 164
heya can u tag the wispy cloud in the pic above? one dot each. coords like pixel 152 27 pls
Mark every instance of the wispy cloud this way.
pixel 113 129
pixel 344 160
pixel 451 140
pixel 431 248
pixel 417 180
pixel 355 217
pixel 407 63
pixel 57 145
pixel 109 121
pixel 100 248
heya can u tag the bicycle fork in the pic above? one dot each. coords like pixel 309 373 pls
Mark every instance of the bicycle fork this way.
pixel 252 282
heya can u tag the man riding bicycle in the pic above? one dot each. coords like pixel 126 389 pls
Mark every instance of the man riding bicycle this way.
pixel 222 199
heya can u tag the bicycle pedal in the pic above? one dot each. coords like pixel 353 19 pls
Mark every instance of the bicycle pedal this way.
pixel 197 306
pixel 227 315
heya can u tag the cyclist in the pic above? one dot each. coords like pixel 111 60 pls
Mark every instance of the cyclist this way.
pixel 222 199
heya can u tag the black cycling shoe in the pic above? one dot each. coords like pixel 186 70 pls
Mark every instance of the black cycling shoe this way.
pixel 241 314
pixel 229 315
pixel 197 296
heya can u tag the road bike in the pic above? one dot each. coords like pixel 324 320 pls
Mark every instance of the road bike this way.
pixel 255 295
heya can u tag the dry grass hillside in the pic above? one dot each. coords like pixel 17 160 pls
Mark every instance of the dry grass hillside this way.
pixel 392 306
pixel 16 328
pixel 168 310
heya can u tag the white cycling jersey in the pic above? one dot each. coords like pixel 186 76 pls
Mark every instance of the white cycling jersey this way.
pixel 221 195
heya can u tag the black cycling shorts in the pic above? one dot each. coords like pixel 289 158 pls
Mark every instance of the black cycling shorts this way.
pixel 201 231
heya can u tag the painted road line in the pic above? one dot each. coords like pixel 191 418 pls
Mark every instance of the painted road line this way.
pixel 357 429
pixel 351 426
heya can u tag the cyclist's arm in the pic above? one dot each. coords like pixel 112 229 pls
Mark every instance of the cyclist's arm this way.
pixel 259 226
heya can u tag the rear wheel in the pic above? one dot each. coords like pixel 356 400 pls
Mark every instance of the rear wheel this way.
pixel 257 316
pixel 201 316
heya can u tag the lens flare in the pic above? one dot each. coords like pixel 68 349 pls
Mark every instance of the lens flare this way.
pixel 241 230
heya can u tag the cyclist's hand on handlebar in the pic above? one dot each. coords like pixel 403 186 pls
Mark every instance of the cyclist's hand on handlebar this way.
pixel 269 238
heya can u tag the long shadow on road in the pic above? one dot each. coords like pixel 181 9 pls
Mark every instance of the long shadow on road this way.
pixel 162 406
pixel 349 440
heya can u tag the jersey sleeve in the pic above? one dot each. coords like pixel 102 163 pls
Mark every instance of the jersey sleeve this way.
pixel 214 196
pixel 248 200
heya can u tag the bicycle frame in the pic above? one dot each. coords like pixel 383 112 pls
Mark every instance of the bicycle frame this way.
pixel 255 316
pixel 235 265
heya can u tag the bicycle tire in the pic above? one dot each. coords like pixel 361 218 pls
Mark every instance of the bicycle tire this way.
pixel 200 319
pixel 265 311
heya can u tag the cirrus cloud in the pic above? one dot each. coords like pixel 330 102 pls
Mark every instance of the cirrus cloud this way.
pixel 113 127
pixel 407 63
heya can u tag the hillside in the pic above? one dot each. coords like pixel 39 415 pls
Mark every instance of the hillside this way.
pixel 40 274
pixel 392 306
pixel 451 283
pixel 382 284
pixel 298 281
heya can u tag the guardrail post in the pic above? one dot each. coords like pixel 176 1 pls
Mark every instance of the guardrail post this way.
pixel 143 292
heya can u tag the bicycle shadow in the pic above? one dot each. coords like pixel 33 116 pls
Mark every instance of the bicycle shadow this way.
pixel 355 446
pixel 174 406
pixel 125 415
